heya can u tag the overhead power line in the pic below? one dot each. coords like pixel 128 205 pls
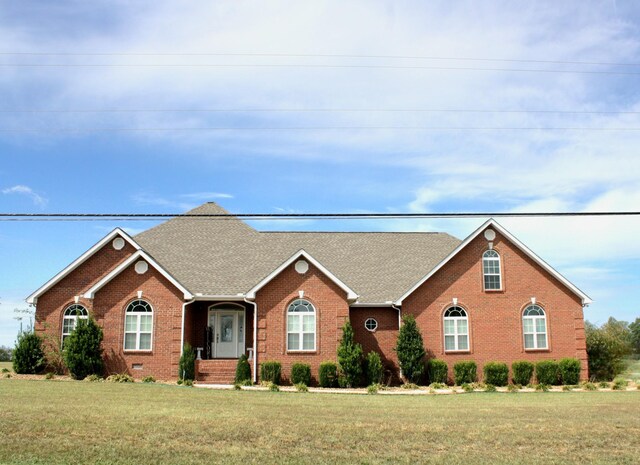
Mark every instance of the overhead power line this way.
pixel 297 216
pixel 321 55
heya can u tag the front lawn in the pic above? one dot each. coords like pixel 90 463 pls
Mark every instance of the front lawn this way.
pixel 78 422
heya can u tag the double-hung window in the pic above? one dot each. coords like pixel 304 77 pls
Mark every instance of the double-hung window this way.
pixel 456 329
pixel 138 326
pixel 72 314
pixel 301 326
pixel 491 271
pixel 534 324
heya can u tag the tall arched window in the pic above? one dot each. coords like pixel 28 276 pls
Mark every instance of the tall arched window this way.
pixel 138 326
pixel 491 270
pixel 301 326
pixel 534 324
pixel 72 314
pixel 456 329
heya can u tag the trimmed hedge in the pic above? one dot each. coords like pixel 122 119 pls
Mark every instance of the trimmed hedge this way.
pixel 243 370
pixel 28 356
pixel 569 370
pixel 301 373
pixel 374 368
pixel 465 372
pixel 496 373
pixel 270 372
pixel 522 372
pixel 328 375
pixel 547 372
pixel 438 371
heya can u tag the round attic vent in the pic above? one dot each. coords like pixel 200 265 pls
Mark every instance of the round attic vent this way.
pixel 118 243
pixel 489 234
pixel 141 267
pixel 302 266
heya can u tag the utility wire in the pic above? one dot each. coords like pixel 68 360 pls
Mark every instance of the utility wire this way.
pixel 323 55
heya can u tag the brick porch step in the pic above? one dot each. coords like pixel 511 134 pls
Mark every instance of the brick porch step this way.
pixel 219 371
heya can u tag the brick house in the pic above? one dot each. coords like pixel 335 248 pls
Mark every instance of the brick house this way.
pixel 228 290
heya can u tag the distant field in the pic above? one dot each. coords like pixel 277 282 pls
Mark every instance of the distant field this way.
pixel 6 365
pixel 633 369
pixel 77 422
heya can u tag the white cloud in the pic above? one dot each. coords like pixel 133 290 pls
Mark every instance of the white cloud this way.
pixel 27 191
pixel 206 196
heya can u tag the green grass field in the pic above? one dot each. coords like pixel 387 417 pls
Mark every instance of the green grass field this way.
pixel 77 422
pixel 7 365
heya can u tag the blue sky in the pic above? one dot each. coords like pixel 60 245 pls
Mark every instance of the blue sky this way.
pixel 356 170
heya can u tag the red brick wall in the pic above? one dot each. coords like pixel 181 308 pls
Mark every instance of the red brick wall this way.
pixel 332 310
pixel 495 318
pixel 383 339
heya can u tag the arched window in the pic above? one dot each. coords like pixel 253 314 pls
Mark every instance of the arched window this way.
pixel 534 324
pixel 491 270
pixel 72 314
pixel 138 326
pixel 301 326
pixel 456 329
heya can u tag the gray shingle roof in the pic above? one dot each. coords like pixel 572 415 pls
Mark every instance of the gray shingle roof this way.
pixel 228 257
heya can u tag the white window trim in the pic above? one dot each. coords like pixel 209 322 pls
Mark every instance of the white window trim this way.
pixel 498 274
pixel 535 332
pixel 75 318
pixel 302 332
pixel 137 332
pixel 375 321
pixel 455 334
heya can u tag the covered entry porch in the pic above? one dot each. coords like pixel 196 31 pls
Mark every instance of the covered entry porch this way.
pixel 220 332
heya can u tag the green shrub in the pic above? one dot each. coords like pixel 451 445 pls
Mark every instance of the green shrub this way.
pixel 568 387
pixel 273 387
pixel 588 386
pixel 512 388
pixel 301 374
pixel 603 384
pixel 49 376
pixel 271 371
pixel 620 384
pixel 328 375
pixel 246 382
pixel 5 370
pixel 438 371
pixel 372 389
pixel 438 386
pixel 28 356
pixel 410 350
pixel 606 350
pixel 410 386
pixel 374 368
pixel 187 365
pixel 490 388
pixel 522 372
pixel 547 372
pixel 188 383
pixel 350 357
pixel 569 370
pixel 465 372
pixel 82 350
pixel 466 387
pixel 237 387
pixel 301 387
pixel 93 378
pixel 496 373
pixel 148 379
pixel 542 387
pixel 243 369
pixel 120 378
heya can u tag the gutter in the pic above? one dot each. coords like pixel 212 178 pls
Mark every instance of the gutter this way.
pixel 255 339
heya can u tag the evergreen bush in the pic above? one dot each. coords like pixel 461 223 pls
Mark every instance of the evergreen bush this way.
pixel 28 356
pixel 547 372
pixel 410 350
pixel 496 373
pixel 569 370
pixel 465 372
pixel 270 372
pixel 374 368
pixel 187 365
pixel 301 374
pixel 350 357
pixel 438 371
pixel 328 374
pixel 243 370
pixel 82 350
pixel 522 372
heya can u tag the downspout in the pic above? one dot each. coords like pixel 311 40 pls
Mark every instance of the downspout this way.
pixel 399 324
pixel 255 339
pixel 184 309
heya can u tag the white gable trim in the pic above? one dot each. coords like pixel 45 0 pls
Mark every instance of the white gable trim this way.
pixel 33 298
pixel 351 295
pixel 493 223
pixel 140 254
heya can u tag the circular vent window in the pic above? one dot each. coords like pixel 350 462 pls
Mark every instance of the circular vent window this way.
pixel 141 267
pixel 371 324
pixel 302 266
pixel 118 243
pixel 489 234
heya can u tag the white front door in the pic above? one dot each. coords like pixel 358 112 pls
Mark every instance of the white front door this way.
pixel 228 333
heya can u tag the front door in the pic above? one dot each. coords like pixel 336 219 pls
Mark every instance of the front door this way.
pixel 228 333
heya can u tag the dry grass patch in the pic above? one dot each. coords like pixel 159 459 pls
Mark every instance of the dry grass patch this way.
pixel 75 422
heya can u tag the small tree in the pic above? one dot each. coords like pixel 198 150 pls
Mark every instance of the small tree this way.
pixel 5 354
pixel 410 350
pixel 374 368
pixel 187 365
pixel 350 357
pixel 606 350
pixel 28 356
pixel 634 328
pixel 243 370
pixel 82 350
